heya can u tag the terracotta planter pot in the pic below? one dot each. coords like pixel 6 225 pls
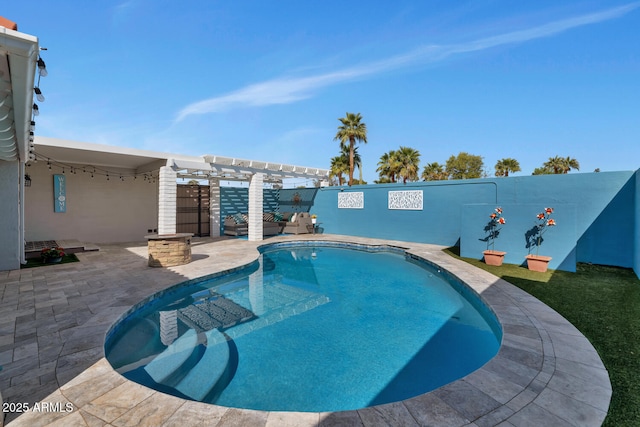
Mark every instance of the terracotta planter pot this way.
pixel 538 262
pixel 492 257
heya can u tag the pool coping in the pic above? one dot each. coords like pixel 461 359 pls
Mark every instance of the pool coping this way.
pixel 545 373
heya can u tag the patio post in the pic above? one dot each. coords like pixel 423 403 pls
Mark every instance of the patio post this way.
pixel 255 207
pixel 214 207
pixel 168 190
pixel 256 290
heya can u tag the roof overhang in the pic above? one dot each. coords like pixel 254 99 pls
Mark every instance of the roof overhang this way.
pixel 75 153
pixel 18 57
pixel 78 154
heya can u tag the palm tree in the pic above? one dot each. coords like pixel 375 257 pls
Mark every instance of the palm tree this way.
pixel 570 163
pixel 504 166
pixel 434 172
pixel 409 163
pixel 560 165
pixel 388 166
pixel 555 164
pixel 357 160
pixel 352 130
pixel 339 166
pixel 542 171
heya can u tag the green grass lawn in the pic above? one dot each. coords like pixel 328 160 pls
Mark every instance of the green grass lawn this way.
pixel 604 304
pixel 37 262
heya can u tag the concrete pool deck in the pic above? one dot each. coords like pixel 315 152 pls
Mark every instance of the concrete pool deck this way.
pixel 53 322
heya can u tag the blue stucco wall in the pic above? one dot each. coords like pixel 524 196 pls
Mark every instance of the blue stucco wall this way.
pixel 558 242
pixel 438 222
pixel 596 215
pixel 286 201
pixel 636 257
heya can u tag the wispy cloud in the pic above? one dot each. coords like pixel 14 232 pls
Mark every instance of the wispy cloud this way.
pixel 285 90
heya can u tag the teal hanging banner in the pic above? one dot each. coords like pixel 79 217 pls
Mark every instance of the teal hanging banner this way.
pixel 59 193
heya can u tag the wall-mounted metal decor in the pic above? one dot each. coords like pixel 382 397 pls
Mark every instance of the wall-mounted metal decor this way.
pixel 407 200
pixel 59 193
pixel 351 200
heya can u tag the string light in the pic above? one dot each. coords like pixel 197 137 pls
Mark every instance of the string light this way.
pixel 91 169
pixel 39 95
pixel 35 111
pixel 152 178
pixel 42 68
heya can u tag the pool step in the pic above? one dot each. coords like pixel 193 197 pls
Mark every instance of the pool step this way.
pixel 173 357
pixel 192 373
pixel 205 374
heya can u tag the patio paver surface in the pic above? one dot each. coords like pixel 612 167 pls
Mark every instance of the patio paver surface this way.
pixel 53 322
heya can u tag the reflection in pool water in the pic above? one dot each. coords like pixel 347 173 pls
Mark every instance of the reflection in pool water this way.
pixel 308 328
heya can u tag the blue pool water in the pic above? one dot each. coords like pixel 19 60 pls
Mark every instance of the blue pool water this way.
pixel 309 328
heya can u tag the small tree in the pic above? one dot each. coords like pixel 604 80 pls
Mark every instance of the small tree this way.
pixel 493 227
pixel 464 166
pixel 543 222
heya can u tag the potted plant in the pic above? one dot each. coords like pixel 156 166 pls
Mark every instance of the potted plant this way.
pixel 491 256
pixel 534 236
pixel 52 255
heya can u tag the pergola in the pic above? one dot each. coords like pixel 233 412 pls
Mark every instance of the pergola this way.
pixel 170 167
pixel 217 168
pixel 18 62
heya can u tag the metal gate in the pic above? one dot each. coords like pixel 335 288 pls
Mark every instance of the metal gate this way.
pixel 192 214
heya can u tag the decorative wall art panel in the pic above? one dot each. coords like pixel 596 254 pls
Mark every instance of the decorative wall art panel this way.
pixel 60 193
pixel 407 200
pixel 351 200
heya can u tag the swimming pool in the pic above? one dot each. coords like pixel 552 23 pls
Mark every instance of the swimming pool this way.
pixel 311 327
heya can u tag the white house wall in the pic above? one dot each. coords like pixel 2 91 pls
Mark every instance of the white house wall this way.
pixel 98 211
pixel 10 245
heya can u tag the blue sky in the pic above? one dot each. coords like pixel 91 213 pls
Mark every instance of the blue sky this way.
pixel 268 80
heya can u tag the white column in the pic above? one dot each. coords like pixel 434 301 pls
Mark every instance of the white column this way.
pixel 256 290
pixel 214 207
pixel 167 193
pixel 255 207
pixel 168 326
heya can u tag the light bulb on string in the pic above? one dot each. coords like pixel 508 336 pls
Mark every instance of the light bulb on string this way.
pixel 39 95
pixel 42 68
